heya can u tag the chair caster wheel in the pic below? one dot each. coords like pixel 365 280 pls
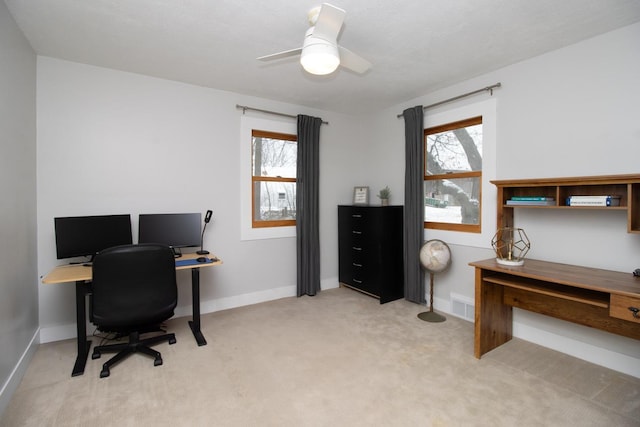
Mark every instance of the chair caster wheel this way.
pixel 157 362
pixel 95 355
pixel 172 341
pixel 104 373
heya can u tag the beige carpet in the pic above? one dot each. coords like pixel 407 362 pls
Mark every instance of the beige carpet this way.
pixel 336 359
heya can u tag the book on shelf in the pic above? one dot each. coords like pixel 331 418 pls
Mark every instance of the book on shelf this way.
pixel 531 202
pixel 593 200
pixel 530 198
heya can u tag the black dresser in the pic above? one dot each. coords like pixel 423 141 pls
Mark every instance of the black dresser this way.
pixel 370 250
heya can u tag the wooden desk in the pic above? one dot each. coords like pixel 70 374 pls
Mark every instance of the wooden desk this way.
pixel 82 275
pixel 601 299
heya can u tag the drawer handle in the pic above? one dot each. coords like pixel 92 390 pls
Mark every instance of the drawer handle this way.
pixel 357 265
pixel 356 216
pixel 357 281
pixel 356 249
pixel 356 232
pixel 635 311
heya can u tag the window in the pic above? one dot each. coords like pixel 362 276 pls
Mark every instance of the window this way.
pixel 248 124
pixel 453 176
pixel 273 178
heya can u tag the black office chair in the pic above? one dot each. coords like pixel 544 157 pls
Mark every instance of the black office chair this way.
pixel 133 291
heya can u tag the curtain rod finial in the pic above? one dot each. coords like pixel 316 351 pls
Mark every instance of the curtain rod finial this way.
pixel 490 88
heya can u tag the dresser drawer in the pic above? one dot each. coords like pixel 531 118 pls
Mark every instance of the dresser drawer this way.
pixel 623 307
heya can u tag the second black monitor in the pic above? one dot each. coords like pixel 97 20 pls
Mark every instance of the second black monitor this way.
pixel 178 230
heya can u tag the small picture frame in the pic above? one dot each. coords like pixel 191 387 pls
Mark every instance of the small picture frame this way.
pixel 360 195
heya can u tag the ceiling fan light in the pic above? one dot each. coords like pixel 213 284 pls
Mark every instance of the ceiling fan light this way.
pixel 320 58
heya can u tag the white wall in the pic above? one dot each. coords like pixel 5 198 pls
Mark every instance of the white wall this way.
pixel 571 112
pixel 18 281
pixel 113 142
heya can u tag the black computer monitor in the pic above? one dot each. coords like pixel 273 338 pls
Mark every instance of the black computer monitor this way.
pixel 87 235
pixel 178 230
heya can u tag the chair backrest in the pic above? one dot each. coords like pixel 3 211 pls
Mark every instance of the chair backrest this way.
pixel 133 286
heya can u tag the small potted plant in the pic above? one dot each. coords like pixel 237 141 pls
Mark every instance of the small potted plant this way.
pixel 384 195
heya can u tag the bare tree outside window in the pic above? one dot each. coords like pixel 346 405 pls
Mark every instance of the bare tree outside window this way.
pixel 453 174
pixel 273 157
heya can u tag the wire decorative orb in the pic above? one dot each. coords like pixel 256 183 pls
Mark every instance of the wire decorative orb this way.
pixel 510 245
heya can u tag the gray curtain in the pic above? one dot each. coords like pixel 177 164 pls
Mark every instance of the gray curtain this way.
pixel 414 289
pixel 307 209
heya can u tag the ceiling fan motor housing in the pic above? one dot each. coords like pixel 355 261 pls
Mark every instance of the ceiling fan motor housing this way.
pixel 319 56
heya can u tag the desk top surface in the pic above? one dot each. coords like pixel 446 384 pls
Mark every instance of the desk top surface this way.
pixel 571 275
pixel 77 272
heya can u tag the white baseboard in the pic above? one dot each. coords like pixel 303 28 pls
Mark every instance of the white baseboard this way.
pixel 581 350
pixel 212 306
pixel 589 352
pixel 585 351
pixel 68 331
pixel 57 332
pixel 10 386
pixel 331 283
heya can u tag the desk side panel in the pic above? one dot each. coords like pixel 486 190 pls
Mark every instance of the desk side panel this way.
pixel 493 318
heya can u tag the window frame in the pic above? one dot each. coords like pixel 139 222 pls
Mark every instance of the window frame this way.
pixel 257 179
pixel 247 122
pixel 463 123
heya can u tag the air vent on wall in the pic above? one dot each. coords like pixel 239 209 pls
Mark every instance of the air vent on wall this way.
pixel 462 307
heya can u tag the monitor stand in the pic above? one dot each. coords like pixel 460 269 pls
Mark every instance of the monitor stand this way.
pixel 85 263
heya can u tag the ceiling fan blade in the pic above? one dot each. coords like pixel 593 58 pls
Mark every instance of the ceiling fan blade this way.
pixel 353 61
pixel 279 55
pixel 329 22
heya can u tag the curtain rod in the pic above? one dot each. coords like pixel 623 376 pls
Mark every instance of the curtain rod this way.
pixel 245 108
pixel 455 98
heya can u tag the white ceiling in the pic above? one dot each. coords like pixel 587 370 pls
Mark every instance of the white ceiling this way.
pixel 415 46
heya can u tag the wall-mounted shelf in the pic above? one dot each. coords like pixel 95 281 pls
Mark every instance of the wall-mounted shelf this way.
pixel 627 187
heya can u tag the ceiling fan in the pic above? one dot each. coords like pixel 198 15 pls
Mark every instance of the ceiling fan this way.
pixel 320 53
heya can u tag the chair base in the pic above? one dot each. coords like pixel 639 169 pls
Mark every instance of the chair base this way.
pixel 135 345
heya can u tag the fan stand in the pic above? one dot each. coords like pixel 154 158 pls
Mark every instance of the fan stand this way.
pixel 431 316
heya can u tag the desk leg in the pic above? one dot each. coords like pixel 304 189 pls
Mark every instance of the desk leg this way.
pixel 81 329
pixel 195 293
pixel 493 318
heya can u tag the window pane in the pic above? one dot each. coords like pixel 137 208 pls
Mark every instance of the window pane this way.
pixel 274 201
pixel 273 157
pixel 457 150
pixel 453 201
